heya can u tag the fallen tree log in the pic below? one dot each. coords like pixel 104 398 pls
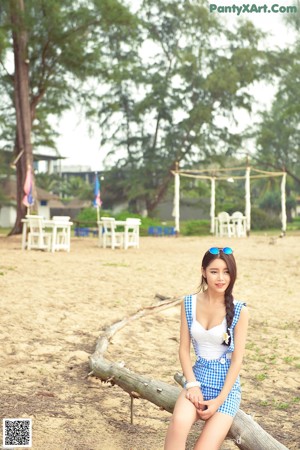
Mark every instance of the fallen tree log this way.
pixel 108 333
pixel 245 432
pixel 137 386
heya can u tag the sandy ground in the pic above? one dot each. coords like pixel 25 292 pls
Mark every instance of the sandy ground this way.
pixel 54 306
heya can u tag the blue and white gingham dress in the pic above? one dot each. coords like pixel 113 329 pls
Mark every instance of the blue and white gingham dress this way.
pixel 212 373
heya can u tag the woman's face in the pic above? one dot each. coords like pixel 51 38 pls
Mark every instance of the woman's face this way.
pixel 217 276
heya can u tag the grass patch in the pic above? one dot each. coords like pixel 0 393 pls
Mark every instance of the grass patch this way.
pixel 8 267
pixel 273 359
pixel 115 264
pixel 5 231
pixel 251 346
pixel 290 359
pixel 289 326
pixel 261 376
pixel 264 403
pixel 281 405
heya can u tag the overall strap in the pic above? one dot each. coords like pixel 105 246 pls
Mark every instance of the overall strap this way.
pixel 237 311
pixel 188 305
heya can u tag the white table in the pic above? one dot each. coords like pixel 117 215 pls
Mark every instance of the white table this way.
pixel 61 234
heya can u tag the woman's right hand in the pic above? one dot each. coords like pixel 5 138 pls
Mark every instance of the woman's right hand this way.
pixel 195 396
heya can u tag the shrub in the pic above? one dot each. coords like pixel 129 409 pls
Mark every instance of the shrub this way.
pixel 195 228
pixel 294 225
pixel 261 220
pixel 88 216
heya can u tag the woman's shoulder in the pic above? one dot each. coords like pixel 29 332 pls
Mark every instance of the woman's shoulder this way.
pixel 240 308
pixel 239 304
pixel 190 297
pixel 189 301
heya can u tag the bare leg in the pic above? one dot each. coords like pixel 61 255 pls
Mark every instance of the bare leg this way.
pixel 214 432
pixel 184 415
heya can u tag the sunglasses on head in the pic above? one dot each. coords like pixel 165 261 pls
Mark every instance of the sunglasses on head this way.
pixel 217 250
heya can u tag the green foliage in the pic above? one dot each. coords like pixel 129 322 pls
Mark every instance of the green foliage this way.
pixel 194 188
pixel 167 110
pixel 262 220
pixel 278 134
pixel 271 202
pixel 261 376
pixel 153 109
pixel 88 217
pixel 294 225
pixel 50 183
pixel 77 187
pixel 69 51
pixel 67 188
pixel 195 228
pixel 259 218
pixel 5 171
pixel 124 214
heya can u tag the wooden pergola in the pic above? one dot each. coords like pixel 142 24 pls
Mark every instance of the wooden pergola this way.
pixel 226 174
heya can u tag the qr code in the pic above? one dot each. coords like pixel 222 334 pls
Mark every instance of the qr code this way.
pixel 17 433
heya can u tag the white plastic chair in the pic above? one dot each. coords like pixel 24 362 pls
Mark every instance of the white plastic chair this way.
pixel 108 235
pixel 62 233
pixel 132 233
pixel 225 227
pixel 239 224
pixel 37 237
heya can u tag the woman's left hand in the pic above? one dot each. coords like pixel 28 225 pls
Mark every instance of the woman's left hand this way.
pixel 211 407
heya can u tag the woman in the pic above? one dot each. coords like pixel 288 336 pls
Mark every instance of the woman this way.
pixel 217 327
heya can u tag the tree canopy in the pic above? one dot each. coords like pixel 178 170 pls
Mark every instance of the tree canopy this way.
pixel 192 75
pixel 279 132
pixel 163 83
pixel 59 50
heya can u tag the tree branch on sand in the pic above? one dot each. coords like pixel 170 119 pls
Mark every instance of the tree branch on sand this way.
pixel 245 432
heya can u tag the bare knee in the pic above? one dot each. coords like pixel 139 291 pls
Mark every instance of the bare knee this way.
pixel 180 420
pixel 183 417
pixel 178 430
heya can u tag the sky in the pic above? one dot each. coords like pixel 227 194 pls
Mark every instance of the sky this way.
pixel 80 148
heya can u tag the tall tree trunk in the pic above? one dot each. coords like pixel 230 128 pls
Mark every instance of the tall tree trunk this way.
pixel 23 145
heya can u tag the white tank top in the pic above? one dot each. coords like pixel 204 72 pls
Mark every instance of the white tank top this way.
pixel 209 341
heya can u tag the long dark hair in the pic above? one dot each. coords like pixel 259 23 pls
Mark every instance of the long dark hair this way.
pixel 231 266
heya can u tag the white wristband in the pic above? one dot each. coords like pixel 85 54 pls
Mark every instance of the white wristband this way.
pixel 192 384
